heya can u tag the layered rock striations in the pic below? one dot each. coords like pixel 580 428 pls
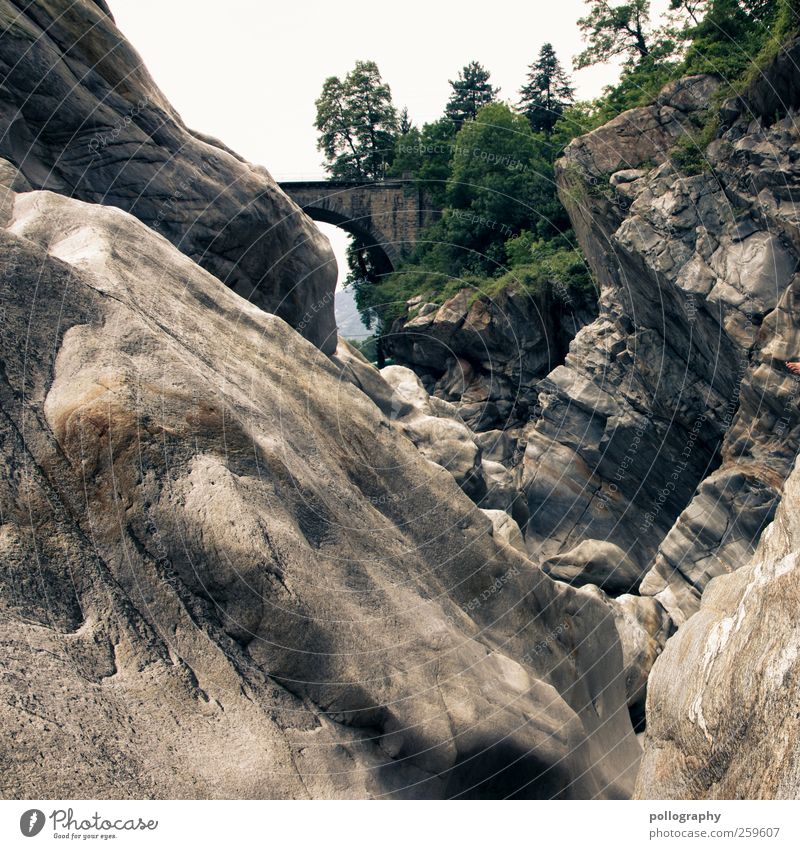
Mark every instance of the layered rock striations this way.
pixel 723 708
pixel 227 573
pixel 673 422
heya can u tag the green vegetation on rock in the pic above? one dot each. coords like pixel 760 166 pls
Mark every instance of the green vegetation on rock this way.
pixel 489 166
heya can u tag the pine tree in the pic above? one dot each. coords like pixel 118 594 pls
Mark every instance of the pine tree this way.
pixel 404 124
pixel 471 90
pixel 547 93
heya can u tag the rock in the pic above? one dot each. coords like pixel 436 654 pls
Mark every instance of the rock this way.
pixel 505 529
pixel 487 354
pixel 408 391
pixel 645 134
pixel 672 423
pixel 501 486
pixel 213 553
pixel 437 430
pixel 498 445
pixel 449 444
pixel 644 628
pixel 775 89
pixel 116 140
pixel 355 369
pixel 722 706
pixel 627 175
pixel 596 562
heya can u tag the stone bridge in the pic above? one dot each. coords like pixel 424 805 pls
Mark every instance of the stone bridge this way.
pixel 386 217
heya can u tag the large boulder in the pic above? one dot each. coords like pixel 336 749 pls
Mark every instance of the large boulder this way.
pixel 723 713
pixel 438 431
pixel 644 628
pixel 598 562
pixel 226 572
pixel 80 115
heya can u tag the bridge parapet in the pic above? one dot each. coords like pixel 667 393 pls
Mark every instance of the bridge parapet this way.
pixel 386 216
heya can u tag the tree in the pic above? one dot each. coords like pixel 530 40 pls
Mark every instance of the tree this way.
pixel 426 156
pixel 404 124
pixel 614 31
pixel 727 36
pixel 547 93
pixel 357 124
pixel 693 9
pixel 471 91
pixel 501 183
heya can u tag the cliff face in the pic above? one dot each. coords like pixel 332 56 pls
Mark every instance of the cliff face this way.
pixel 231 566
pixel 673 423
pixel 80 115
pixel 723 704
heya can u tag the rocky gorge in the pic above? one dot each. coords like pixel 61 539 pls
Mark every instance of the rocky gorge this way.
pixel 239 561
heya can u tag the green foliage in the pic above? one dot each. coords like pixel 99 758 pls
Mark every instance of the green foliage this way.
pixel 357 124
pixel 614 30
pixel 404 125
pixel 501 180
pixel 490 169
pixel 726 40
pixel 638 85
pixel 368 347
pixel 557 262
pixel 547 92
pixel 537 267
pixel 471 91
pixel 425 155
pixel 688 156
pixel 497 191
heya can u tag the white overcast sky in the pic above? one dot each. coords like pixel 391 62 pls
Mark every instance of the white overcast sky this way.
pixel 249 71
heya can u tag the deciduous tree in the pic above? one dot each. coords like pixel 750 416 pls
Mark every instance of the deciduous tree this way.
pixel 614 30
pixel 357 124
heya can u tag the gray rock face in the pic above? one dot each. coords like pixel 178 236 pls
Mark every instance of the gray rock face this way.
pixel 442 437
pixel 226 572
pixel 644 628
pixel 723 707
pixel 616 419
pixel 505 529
pixel 673 423
pixel 80 115
pixel 642 136
pixel 487 354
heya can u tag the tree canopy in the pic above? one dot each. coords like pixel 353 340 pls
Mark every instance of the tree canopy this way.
pixel 489 167
pixel 471 91
pixel 614 30
pixel 357 124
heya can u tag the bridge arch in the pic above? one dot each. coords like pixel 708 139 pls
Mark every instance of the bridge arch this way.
pixel 386 217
